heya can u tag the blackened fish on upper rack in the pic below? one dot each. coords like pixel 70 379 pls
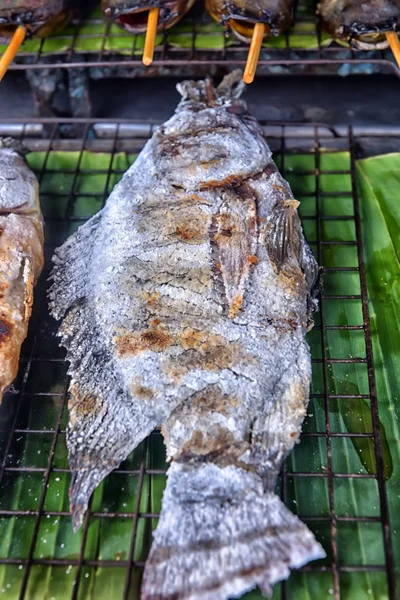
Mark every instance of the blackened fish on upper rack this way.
pixel 40 17
pixel 239 16
pixel 185 304
pixel 363 24
pixel 133 15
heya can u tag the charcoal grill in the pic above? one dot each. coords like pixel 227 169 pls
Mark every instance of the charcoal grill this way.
pixel 97 44
pixel 33 414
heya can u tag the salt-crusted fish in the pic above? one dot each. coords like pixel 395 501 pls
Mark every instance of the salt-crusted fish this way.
pixel 133 15
pixel 186 301
pixel 40 17
pixel 239 16
pixel 362 24
pixel 21 255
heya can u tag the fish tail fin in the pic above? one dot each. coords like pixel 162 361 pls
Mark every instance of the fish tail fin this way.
pixel 203 91
pixel 220 535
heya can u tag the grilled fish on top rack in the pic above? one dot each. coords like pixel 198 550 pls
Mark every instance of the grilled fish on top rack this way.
pixel 240 16
pixel 39 17
pixel 133 15
pixel 364 25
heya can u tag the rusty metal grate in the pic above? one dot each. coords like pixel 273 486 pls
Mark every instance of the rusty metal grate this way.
pixel 95 43
pixel 34 411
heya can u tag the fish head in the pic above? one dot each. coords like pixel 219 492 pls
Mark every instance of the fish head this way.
pixel 240 16
pixel 211 141
pixel 18 185
pixel 40 17
pixel 133 16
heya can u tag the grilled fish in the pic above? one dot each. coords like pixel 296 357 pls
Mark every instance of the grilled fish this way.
pixel 40 17
pixel 186 301
pixel 362 24
pixel 21 255
pixel 133 15
pixel 239 15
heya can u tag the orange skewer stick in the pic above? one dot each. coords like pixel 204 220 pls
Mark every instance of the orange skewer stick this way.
pixel 254 52
pixel 149 43
pixel 13 47
pixel 394 44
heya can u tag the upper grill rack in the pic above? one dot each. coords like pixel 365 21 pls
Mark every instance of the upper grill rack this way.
pixel 33 469
pixel 198 41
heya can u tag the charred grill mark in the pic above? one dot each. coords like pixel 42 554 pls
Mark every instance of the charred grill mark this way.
pixel 232 181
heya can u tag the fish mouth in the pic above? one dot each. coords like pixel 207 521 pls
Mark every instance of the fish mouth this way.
pixel 134 21
pixel 370 41
pixel 243 28
pixel 38 27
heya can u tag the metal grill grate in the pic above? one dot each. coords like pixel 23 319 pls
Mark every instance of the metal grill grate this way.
pixel 33 415
pixel 196 41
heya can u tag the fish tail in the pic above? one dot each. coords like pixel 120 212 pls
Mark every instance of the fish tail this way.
pixel 220 535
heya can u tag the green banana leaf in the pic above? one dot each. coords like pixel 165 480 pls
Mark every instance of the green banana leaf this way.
pixel 360 542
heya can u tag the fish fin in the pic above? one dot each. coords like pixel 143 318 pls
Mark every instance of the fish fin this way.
pixel 105 423
pixel 219 535
pixel 313 275
pixel 71 268
pixel 283 238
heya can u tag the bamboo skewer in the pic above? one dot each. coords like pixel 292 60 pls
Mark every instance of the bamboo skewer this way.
pixel 12 49
pixel 254 52
pixel 394 44
pixel 151 32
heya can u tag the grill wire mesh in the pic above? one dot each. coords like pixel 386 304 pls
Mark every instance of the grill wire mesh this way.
pixel 33 415
pixel 196 41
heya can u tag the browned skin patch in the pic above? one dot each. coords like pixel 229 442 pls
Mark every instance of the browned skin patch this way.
pixel 5 330
pixel 253 259
pixel 155 322
pixel 212 399
pixel 236 306
pixel 229 182
pixel 206 351
pixel 82 406
pixel 139 391
pixel 154 340
pixel 3 289
pixel 150 298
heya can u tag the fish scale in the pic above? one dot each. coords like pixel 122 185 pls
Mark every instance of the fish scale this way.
pixel 186 302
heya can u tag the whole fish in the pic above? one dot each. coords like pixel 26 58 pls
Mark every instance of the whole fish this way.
pixel 21 255
pixel 362 24
pixel 40 17
pixel 133 15
pixel 186 302
pixel 239 16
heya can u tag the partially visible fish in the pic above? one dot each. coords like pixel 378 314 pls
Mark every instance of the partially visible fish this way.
pixel 40 17
pixel 240 15
pixel 186 302
pixel 133 15
pixel 21 255
pixel 362 24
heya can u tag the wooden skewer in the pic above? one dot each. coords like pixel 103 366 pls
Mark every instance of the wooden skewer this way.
pixel 394 44
pixel 254 52
pixel 12 49
pixel 149 43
